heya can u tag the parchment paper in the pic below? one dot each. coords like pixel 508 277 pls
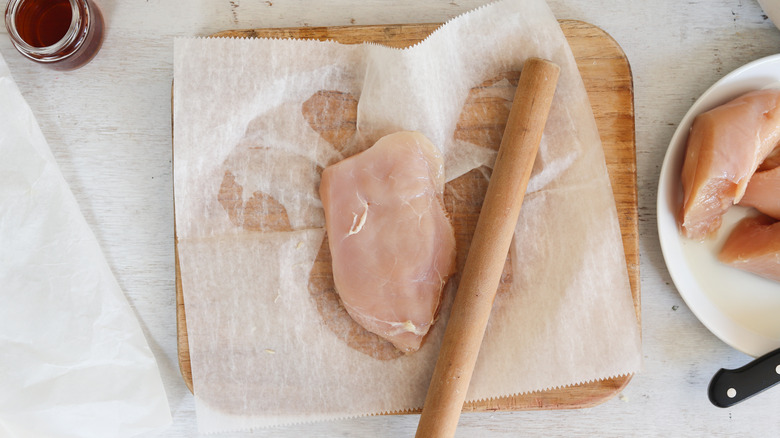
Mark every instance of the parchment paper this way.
pixel 250 224
pixel 73 359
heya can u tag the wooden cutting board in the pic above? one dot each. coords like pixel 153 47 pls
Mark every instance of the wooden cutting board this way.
pixel 607 77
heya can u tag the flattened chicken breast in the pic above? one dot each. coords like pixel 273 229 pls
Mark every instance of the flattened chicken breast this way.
pixel 392 244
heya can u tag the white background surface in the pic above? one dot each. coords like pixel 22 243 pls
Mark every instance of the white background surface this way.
pixel 108 125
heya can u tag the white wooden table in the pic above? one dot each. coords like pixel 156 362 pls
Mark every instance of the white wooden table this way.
pixel 109 127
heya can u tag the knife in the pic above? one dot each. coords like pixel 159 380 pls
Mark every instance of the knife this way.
pixel 729 387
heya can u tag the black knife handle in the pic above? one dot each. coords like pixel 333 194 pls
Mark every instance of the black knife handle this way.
pixel 729 387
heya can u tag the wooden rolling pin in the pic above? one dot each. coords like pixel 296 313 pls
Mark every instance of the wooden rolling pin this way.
pixel 488 251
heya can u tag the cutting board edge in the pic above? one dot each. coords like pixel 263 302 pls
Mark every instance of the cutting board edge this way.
pixel 620 382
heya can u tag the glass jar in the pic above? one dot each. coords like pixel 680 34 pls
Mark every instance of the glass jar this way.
pixel 61 34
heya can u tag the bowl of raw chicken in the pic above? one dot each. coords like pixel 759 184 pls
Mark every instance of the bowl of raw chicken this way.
pixel 717 195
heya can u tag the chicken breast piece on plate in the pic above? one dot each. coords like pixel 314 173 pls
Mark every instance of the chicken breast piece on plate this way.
pixel 725 147
pixel 763 190
pixel 754 246
pixel 391 242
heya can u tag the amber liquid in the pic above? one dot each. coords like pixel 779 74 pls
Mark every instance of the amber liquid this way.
pixel 42 23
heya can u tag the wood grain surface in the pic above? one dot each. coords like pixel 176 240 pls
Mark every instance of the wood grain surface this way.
pixel 608 81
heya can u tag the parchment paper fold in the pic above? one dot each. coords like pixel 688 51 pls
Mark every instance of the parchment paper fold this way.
pixel 73 359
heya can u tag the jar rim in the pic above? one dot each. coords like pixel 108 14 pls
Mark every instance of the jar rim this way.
pixel 43 54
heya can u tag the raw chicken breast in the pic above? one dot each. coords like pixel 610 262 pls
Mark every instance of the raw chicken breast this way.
pixel 391 241
pixel 725 146
pixel 763 191
pixel 754 246
pixel 771 161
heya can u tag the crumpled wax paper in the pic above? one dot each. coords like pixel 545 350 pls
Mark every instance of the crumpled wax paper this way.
pixel 256 121
pixel 73 359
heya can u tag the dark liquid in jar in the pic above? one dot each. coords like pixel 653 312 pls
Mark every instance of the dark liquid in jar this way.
pixel 44 22
pixel 44 32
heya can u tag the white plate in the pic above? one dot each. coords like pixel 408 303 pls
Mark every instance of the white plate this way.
pixel 740 308
pixel 772 10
